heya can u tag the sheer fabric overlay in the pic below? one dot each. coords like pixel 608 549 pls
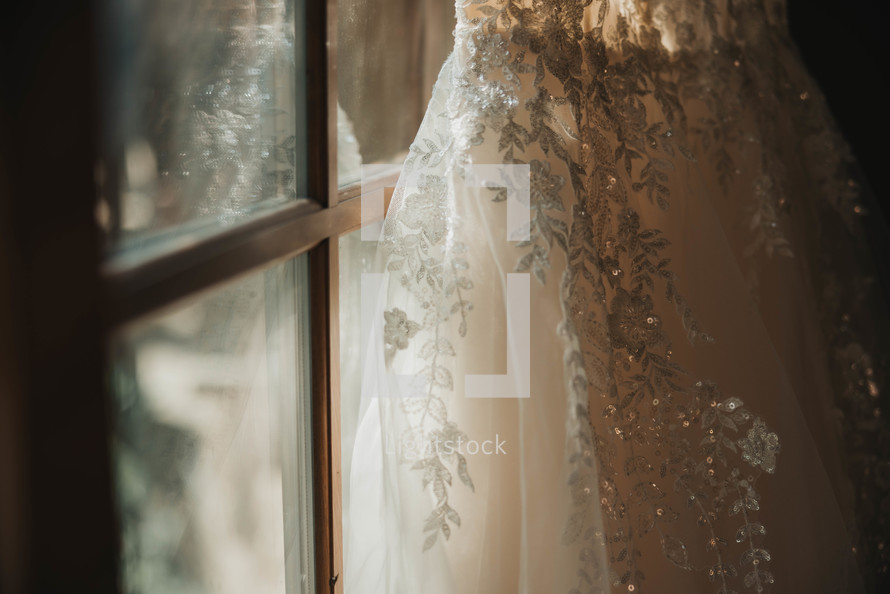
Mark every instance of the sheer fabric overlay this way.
pixel 704 398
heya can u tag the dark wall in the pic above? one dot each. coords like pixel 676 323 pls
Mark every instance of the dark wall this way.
pixel 845 46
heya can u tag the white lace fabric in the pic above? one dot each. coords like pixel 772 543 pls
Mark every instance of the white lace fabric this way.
pixel 700 318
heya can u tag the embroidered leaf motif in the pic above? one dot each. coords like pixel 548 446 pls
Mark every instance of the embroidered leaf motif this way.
pixel 462 472
pixel 430 541
pixel 675 551
pixel 602 132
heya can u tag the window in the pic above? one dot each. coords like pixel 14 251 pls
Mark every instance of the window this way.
pixel 174 289
pixel 217 263
pixel 389 54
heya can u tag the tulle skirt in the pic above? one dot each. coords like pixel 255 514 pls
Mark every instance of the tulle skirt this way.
pixel 643 353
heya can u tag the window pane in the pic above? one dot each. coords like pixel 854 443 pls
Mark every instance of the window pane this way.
pixel 356 259
pixel 358 285
pixel 212 443
pixel 202 117
pixel 388 57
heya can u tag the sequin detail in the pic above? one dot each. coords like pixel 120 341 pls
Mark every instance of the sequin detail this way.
pixel 760 447
pixel 653 447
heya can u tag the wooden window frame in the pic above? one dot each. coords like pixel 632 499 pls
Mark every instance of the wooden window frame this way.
pixel 61 299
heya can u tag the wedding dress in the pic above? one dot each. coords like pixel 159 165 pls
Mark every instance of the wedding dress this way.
pixel 671 381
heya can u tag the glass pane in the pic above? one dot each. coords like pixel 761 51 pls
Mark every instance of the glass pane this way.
pixel 203 114
pixel 212 441
pixel 356 259
pixel 389 55
pixel 358 288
